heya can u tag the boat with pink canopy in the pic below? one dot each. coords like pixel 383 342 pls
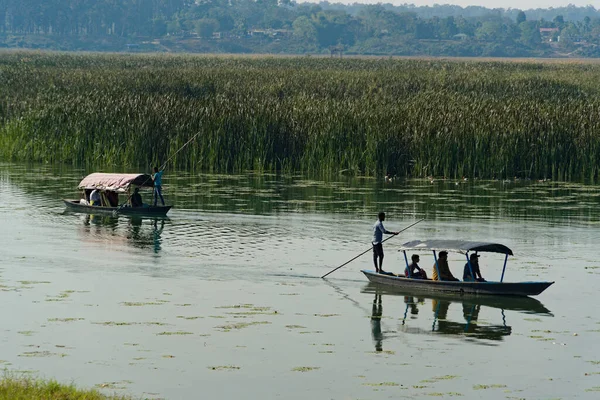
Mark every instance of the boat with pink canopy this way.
pixel 110 187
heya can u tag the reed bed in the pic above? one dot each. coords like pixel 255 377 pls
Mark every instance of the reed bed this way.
pixel 313 115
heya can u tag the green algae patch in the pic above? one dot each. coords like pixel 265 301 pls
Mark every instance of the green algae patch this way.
pixel 26 333
pixel 44 353
pixel 142 304
pixel 484 387
pixel 240 325
pixel 382 384
pixel 445 377
pixel 188 318
pixel 174 333
pixel 593 389
pixel 295 327
pixel 65 319
pixel 224 368
pixel 114 323
pixel 389 352
pixel 113 385
pixel 247 313
pixel 305 369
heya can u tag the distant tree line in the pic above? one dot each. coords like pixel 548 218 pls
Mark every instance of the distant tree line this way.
pixel 252 26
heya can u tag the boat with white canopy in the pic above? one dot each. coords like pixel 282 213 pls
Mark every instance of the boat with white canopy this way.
pixel 110 186
pixel 462 247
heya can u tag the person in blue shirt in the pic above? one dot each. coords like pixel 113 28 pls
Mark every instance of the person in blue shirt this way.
pixel 378 231
pixel 157 178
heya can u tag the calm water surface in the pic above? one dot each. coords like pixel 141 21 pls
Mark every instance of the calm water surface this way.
pixel 223 298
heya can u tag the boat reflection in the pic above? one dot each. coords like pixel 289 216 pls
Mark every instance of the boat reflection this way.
pixel 441 310
pixel 139 232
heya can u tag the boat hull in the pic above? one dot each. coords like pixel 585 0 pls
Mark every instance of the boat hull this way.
pixel 74 205
pixel 486 288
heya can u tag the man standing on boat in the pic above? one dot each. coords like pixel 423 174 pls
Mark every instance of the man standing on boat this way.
pixel 157 178
pixel 378 231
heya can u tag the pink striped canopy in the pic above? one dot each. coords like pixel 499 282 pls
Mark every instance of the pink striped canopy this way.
pixel 115 182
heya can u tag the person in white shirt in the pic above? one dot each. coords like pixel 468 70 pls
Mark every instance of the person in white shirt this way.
pixel 95 197
pixel 378 231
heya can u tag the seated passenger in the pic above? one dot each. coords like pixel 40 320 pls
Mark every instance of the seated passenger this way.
pixel 415 271
pixel 113 198
pixel 442 264
pixel 136 198
pixel 95 198
pixel 474 261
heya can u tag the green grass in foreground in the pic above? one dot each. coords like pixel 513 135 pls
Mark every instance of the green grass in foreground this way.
pixel 24 388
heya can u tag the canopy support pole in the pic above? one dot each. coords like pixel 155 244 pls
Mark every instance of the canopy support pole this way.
pixel 437 267
pixel 470 269
pixel 407 267
pixel 504 268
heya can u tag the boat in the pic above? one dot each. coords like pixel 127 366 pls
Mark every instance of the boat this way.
pixel 110 187
pixel 460 287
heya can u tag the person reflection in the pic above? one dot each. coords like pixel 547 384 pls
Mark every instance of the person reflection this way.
pixel 440 312
pixel 376 323
pixel 156 232
pixel 411 305
pixel 471 313
pixel 136 226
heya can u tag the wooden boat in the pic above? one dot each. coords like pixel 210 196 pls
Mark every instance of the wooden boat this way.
pixel 463 247
pixel 110 187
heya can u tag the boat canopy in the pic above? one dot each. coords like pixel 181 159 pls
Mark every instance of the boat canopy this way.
pixel 115 182
pixel 456 246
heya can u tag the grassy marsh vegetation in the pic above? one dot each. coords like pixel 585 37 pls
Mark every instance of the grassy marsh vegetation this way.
pixel 314 115
pixel 12 388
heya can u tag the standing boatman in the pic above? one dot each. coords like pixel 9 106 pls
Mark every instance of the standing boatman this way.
pixel 157 179
pixel 378 231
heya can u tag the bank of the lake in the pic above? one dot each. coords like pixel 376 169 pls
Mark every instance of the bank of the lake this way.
pixel 323 117
pixel 27 388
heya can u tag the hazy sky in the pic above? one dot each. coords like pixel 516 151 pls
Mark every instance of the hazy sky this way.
pixel 521 4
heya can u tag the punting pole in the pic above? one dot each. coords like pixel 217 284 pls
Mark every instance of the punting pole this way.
pixel 407 267
pixel 470 269
pixel 437 267
pixel 504 268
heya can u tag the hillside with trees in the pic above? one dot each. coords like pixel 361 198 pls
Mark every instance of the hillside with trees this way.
pixel 286 27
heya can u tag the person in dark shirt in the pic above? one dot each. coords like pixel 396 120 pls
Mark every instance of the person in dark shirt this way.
pixel 474 261
pixel 136 198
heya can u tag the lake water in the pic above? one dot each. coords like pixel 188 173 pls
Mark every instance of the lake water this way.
pixel 223 298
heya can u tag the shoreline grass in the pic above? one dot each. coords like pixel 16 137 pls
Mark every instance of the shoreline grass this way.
pixel 406 117
pixel 25 388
